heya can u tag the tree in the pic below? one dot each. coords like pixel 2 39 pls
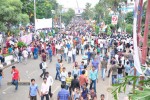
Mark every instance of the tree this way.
pixel 136 94
pixel 129 18
pixel 88 12
pixel 107 20
pixel 43 8
pixel 67 16
pixel 129 28
pixel 11 15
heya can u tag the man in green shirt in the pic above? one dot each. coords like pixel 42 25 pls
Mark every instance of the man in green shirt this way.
pixel 103 68
pixel 114 70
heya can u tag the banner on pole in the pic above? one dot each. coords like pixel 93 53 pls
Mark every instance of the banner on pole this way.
pixel 114 19
pixel 43 23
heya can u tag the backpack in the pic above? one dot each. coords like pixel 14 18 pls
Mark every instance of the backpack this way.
pixel 41 66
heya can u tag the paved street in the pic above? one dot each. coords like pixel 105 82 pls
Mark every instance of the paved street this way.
pixel 31 70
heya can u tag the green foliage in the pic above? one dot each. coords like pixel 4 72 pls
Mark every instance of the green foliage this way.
pixel 11 15
pixel 56 30
pixel 50 33
pixel 108 30
pixel 88 12
pixel 129 18
pixel 136 94
pixel 42 35
pixel 97 29
pixel 43 8
pixel 107 20
pixel 129 28
pixel 67 16
pixel 21 44
pixel 112 26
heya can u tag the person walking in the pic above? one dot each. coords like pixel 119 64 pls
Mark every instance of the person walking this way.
pixel 50 53
pixel 114 73
pixel 44 66
pixel 95 63
pixel 25 55
pixel 93 78
pixel 35 52
pixel 74 83
pixel 68 81
pixel 81 67
pixel 63 75
pixel 20 56
pixel 44 89
pixel 74 54
pixel 103 68
pixel 1 76
pixel 15 77
pixel 33 90
pixel 76 95
pixel 65 53
pixel 50 82
pixel 76 71
pixel 69 56
pixel 63 94
pixel 89 54
pixel 120 72
pixel 83 79
pixel 58 70
pixel 43 55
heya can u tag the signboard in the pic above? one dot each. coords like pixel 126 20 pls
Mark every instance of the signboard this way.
pixel 114 19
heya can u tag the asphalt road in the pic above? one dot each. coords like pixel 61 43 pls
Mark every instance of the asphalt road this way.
pixel 31 70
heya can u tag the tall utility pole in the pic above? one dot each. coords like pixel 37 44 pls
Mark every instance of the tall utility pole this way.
pixel 34 16
pixel 146 29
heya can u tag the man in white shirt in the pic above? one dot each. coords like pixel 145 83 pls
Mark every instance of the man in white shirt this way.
pixel 44 89
pixel 65 53
pixel 44 66
pixel 50 82
pixel 63 75
pixel 74 54
pixel 25 55
pixel 69 56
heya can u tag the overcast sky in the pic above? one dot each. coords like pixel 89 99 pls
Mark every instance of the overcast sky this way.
pixel 73 4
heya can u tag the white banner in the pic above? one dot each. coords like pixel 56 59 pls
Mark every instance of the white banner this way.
pixel 137 63
pixel 43 23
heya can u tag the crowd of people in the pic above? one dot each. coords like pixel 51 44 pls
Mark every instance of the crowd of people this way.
pixel 101 54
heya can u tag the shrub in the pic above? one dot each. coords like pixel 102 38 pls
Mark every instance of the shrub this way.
pixel 21 44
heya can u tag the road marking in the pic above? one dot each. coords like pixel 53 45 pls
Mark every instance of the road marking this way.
pixel 56 89
pixel 7 88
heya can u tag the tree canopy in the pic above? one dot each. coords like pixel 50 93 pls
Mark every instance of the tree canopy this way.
pixel 43 8
pixel 88 12
pixel 11 15
pixel 67 16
